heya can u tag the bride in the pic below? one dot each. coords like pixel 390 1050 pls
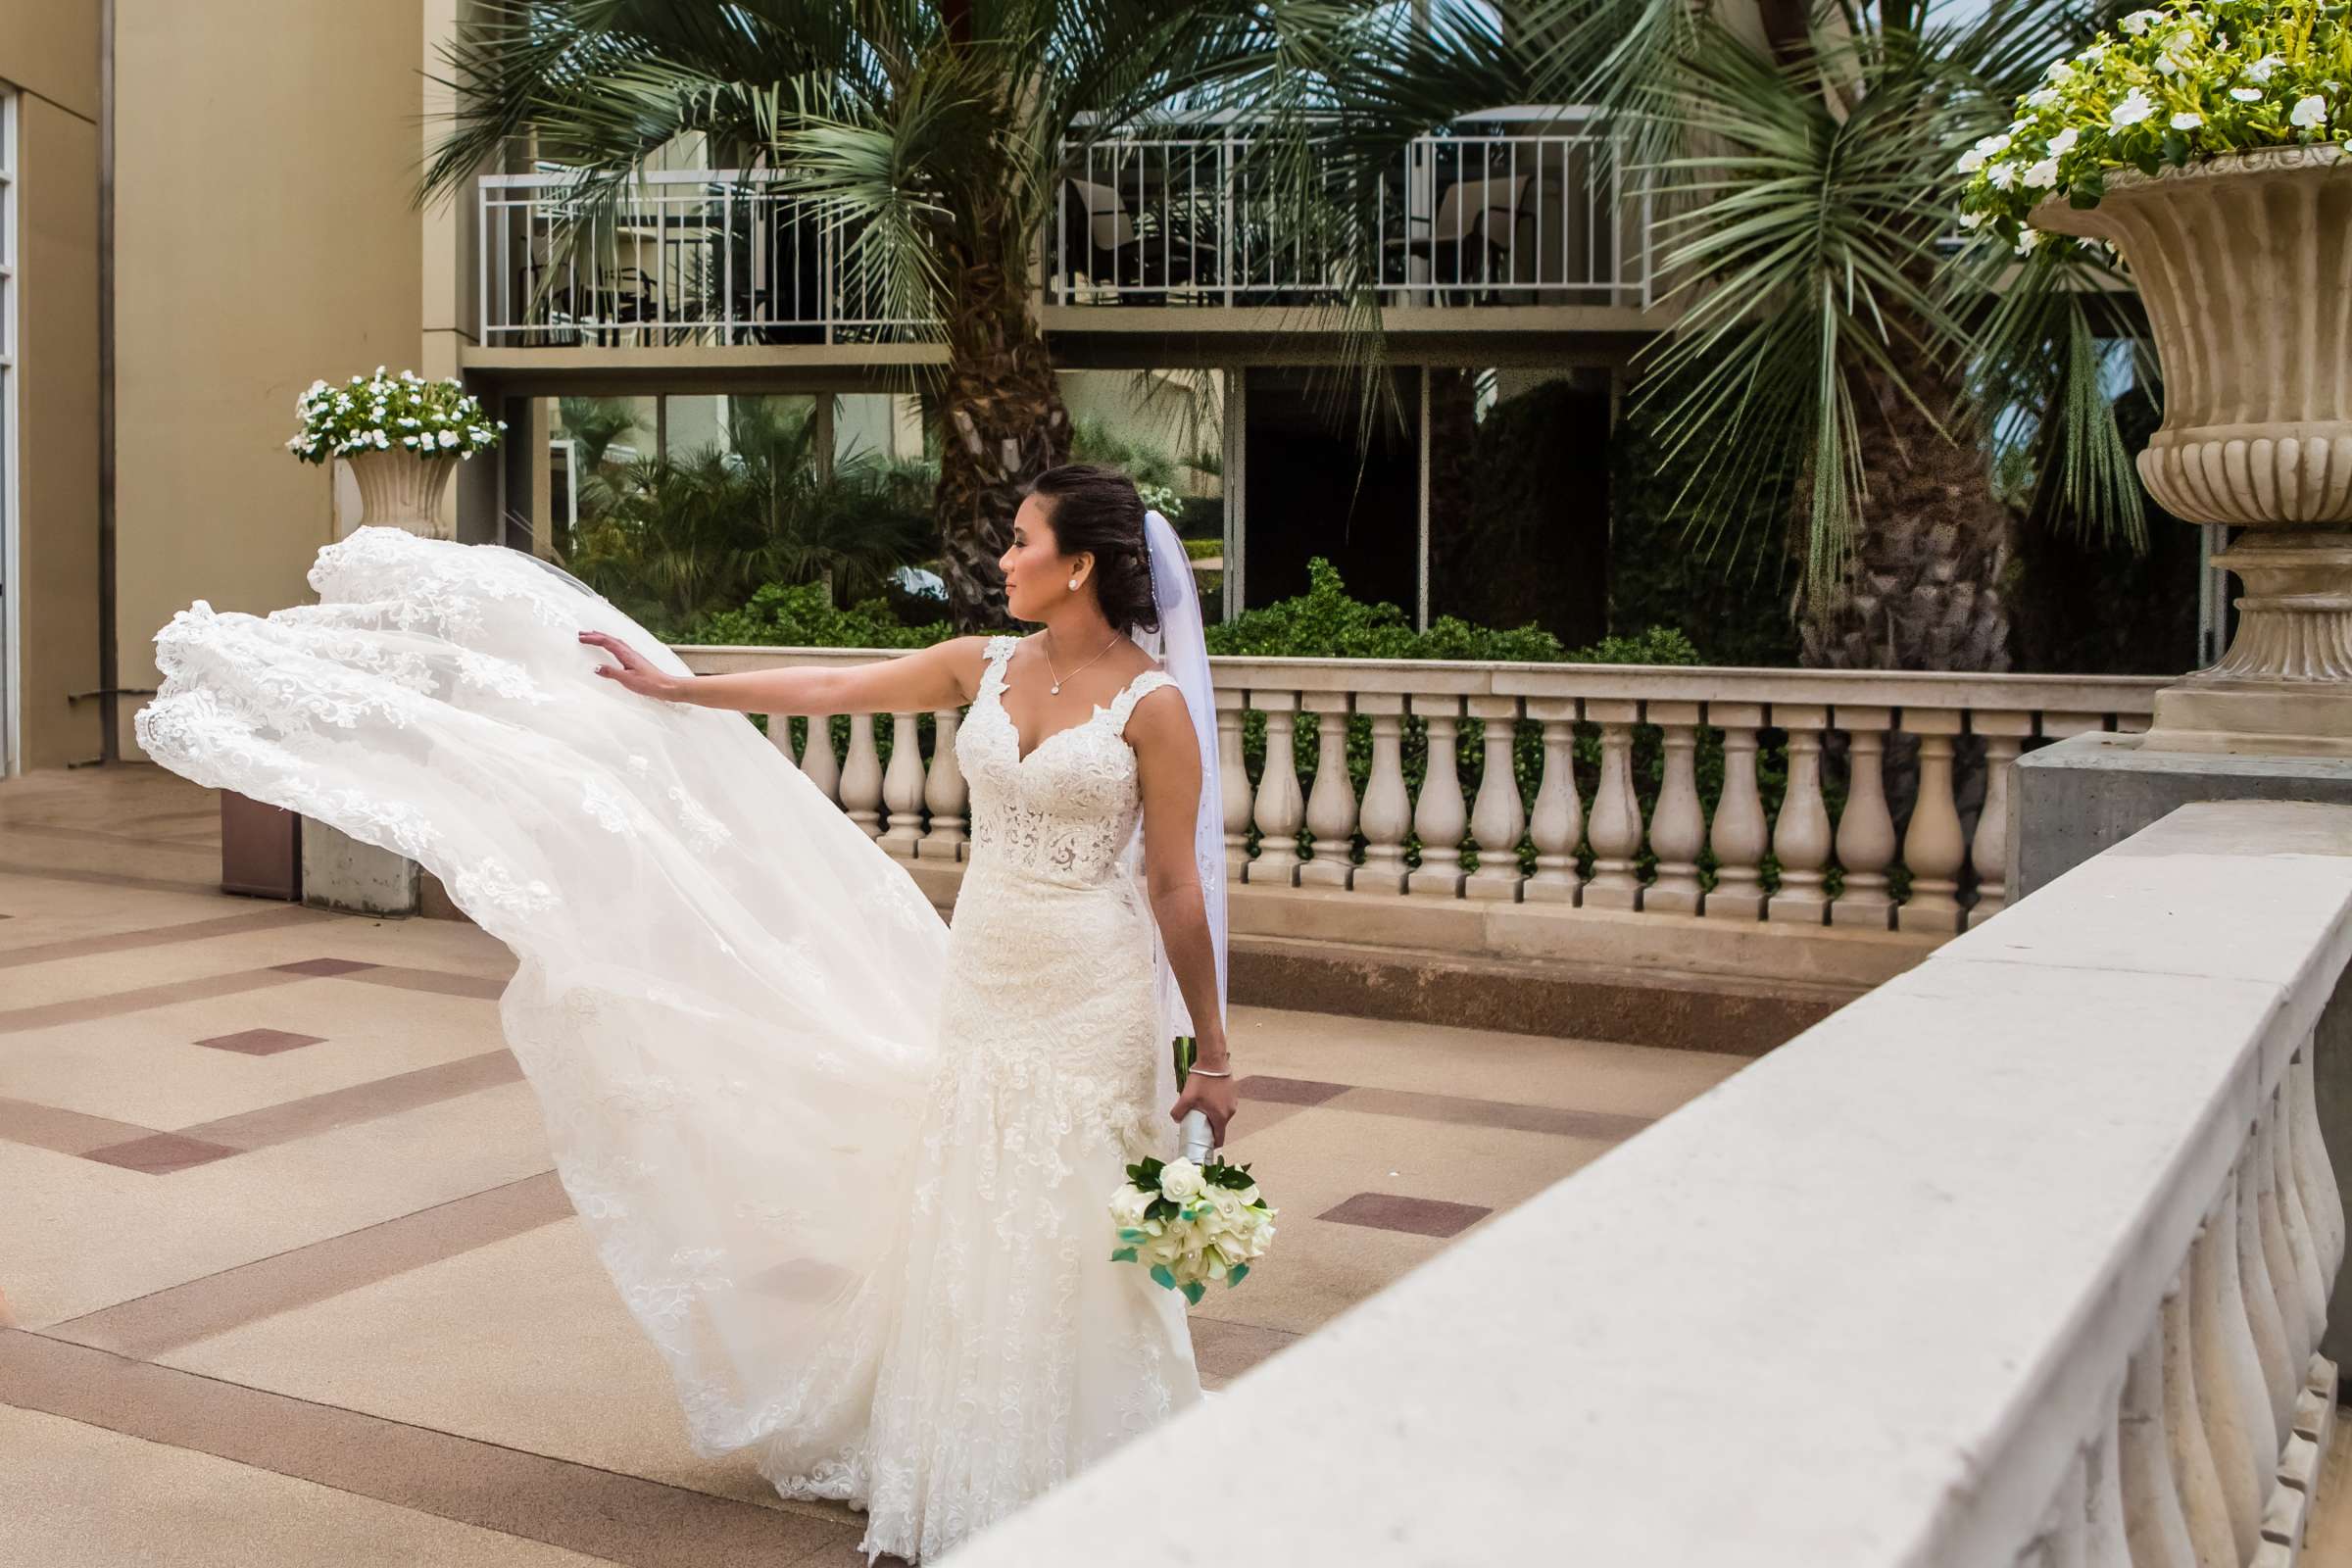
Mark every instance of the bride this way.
pixel 849 1169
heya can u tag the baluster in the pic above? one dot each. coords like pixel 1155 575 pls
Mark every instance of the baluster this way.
pixel 903 788
pixel 1738 835
pixel 2315 1173
pixel 944 792
pixel 1439 816
pixel 1800 838
pixel 861 776
pixel 779 736
pixel 2155 1530
pixel 2104 1543
pixel 2310 1291
pixel 1331 804
pixel 2229 1377
pixel 1678 823
pixel 817 758
pixel 2280 1376
pixel 1932 848
pixel 1233 782
pixel 1557 823
pixel 1388 812
pixel 1498 820
pixel 2197 1480
pixel 1614 826
pixel 1280 808
pixel 2004 737
pixel 1865 828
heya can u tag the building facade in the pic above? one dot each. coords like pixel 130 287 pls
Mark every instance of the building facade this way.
pixel 260 183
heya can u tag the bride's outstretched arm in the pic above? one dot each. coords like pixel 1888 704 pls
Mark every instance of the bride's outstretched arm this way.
pixel 1168 758
pixel 944 675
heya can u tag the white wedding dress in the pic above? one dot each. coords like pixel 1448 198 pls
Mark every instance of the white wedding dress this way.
pixel 849 1170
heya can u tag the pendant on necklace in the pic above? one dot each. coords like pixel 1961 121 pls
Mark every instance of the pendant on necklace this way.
pixel 1054 689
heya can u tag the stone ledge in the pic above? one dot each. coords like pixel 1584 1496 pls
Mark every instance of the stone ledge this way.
pixel 1635 1007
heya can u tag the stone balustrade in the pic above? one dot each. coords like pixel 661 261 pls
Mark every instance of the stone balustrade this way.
pixel 2024 1259
pixel 1733 795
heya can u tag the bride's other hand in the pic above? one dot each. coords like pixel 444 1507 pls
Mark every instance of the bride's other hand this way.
pixel 632 672
pixel 1214 1098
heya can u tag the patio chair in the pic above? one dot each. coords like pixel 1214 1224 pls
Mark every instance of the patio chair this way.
pixel 1101 240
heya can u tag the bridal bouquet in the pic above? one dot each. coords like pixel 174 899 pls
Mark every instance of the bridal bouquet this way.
pixel 1192 1223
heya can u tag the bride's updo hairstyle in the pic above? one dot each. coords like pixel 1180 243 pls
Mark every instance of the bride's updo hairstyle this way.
pixel 1095 511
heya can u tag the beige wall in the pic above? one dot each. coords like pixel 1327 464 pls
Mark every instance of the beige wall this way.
pixel 49 52
pixel 267 234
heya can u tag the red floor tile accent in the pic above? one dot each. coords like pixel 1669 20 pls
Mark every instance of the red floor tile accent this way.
pixel 1420 1217
pixel 322 967
pixel 260 1042
pixel 161 1155
pixel 1288 1091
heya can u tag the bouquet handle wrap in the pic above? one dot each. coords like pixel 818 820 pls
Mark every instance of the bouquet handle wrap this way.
pixel 1194 1138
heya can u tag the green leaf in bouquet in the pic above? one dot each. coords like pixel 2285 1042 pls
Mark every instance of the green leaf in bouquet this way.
pixel 1161 1274
pixel 1162 1210
pixel 1125 1255
pixel 1236 1274
pixel 1194 1292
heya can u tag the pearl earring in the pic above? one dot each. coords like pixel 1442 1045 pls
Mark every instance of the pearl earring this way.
pixel 1073 585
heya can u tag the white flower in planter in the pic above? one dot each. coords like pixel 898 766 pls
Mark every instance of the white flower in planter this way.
pixel 2135 107
pixel 2263 69
pixel 2064 142
pixel 2043 175
pixel 2310 113
pixel 2187 120
pixel 2246 95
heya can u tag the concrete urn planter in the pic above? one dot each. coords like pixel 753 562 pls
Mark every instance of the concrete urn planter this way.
pixel 398 489
pixel 2245 266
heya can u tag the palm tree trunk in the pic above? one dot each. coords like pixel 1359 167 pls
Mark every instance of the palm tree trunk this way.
pixel 1924 587
pixel 1005 425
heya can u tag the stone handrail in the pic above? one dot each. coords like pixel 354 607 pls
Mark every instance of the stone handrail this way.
pixel 2024 1259
pixel 1708 862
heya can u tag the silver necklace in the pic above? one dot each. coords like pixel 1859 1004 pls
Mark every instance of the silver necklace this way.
pixel 1046 647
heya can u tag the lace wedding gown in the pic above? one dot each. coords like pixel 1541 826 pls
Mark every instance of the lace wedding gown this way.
pixel 848 1170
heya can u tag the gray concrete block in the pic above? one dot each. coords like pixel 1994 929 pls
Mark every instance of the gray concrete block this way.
pixel 2086 794
pixel 341 873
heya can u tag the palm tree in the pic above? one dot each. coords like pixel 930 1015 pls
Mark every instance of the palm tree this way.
pixel 929 132
pixel 1835 367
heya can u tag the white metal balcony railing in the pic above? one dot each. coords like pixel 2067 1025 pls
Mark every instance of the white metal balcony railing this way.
pixel 1530 208
pixel 1578 831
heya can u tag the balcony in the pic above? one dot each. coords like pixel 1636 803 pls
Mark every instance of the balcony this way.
pixel 1524 208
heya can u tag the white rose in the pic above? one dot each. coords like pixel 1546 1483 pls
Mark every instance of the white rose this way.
pixel 2043 175
pixel 1180 1181
pixel 2135 107
pixel 2064 142
pixel 1128 1207
pixel 2187 120
pixel 2309 112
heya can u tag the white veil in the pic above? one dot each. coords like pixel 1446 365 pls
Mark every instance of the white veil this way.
pixel 1182 648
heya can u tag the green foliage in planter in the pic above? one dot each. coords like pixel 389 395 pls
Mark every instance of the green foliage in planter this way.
pixel 803 615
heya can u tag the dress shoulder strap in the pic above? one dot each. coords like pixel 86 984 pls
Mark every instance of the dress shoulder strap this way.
pixel 1149 681
pixel 992 673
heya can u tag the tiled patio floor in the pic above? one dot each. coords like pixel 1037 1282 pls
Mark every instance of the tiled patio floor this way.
pixel 291 1280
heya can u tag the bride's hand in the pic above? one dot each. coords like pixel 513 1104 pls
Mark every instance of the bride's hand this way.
pixel 633 671
pixel 1214 1098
